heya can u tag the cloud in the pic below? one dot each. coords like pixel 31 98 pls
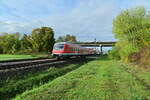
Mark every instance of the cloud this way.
pixel 87 19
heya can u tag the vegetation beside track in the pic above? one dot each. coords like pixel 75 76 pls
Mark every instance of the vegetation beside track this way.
pixel 14 57
pixel 13 87
pixel 131 28
pixel 102 79
pixel 140 73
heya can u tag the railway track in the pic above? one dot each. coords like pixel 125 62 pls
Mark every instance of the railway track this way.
pixel 22 63
pixel 19 68
pixel 18 60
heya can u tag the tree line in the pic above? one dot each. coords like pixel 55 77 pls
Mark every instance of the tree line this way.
pixel 40 40
pixel 132 30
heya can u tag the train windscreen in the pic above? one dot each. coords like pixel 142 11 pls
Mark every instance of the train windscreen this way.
pixel 59 47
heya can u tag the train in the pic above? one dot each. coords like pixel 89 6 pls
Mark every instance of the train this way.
pixel 67 50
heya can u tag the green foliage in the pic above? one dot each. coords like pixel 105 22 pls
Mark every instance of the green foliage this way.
pixel 20 56
pixel 67 38
pixel 131 28
pixel 26 42
pixel 15 86
pixel 9 57
pixel 114 54
pixel 43 39
pixel 10 43
pixel 40 40
pixel 97 80
pixel 125 49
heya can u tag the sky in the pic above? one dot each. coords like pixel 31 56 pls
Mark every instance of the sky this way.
pixel 86 19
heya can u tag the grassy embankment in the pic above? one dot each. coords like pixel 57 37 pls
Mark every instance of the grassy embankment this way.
pixel 12 57
pixel 12 87
pixel 102 79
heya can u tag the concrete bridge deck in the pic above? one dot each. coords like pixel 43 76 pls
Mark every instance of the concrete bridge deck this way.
pixel 97 44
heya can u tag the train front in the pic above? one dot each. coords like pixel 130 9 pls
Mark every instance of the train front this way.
pixel 58 50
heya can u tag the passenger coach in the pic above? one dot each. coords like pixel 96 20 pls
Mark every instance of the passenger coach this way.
pixel 67 49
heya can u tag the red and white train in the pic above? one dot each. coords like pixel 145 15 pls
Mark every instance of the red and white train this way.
pixel 67 49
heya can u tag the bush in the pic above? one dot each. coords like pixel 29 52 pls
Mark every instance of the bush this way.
pixel 142 57
pixel 125 49
pixel 132 29
pixel 114 54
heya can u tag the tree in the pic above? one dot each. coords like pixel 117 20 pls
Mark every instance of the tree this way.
pixel 131 29
pixel 43 39
pixel 26 42
pixel 10 43
pixel 1 43
pixel 131 25
pixel 61 39
pixel 67 38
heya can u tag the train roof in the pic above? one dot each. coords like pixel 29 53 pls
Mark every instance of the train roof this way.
pixel 68 43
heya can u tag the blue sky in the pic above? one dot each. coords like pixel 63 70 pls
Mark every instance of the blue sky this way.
pixel 87 19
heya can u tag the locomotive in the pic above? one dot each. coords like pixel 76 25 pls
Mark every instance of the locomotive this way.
pixel 67 49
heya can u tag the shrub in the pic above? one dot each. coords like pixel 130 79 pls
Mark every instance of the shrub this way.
pixel 114 54
pixel 131 28
pixel 142 57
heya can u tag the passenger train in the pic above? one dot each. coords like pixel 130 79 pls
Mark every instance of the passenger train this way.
pixel 67 49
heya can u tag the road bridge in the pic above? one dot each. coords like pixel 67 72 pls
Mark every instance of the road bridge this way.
pixel 97 44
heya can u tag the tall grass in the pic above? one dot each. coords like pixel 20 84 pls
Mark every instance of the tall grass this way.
pixel 98 80
pixel 13 87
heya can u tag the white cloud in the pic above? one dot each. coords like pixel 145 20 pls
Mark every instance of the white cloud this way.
pixel 88 19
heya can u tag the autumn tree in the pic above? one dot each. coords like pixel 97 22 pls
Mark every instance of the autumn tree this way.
pixel 131 28
pixel 26 42
pixel 67 38
pixel 43 39
pixel 10 43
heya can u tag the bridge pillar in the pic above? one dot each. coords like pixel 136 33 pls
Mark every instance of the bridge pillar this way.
pixel 101 49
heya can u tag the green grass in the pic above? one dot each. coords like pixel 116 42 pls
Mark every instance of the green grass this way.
pixel 9 57
pixel 102 79
pixel 11 88
pixel 141 73
pixel 12 57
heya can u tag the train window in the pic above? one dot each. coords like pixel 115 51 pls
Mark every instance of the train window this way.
pixel 72 49
pixel 76 49
pixel 59 46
